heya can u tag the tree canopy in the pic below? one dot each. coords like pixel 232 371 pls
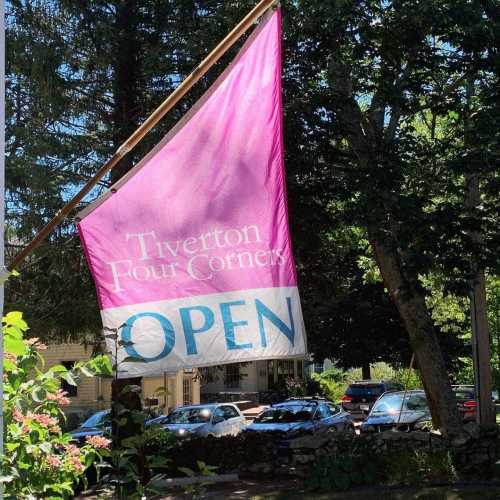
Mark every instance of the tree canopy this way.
pixel 389 107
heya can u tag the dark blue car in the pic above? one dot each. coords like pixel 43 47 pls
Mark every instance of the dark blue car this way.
pixel 296 417
pixel 98 424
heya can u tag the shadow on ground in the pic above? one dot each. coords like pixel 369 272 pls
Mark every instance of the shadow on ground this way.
pixel 293 490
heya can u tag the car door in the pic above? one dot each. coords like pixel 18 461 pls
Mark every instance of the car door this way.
pixel 240 421
pixel 232 418
pixel 339 419
pixel 219 423
pixel 321 418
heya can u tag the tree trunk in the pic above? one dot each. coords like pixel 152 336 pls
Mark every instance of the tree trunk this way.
pixel 126 90
pixel 368 140
pixel 366 372
pixel 126 80
pixel 410 301
pixel 481 353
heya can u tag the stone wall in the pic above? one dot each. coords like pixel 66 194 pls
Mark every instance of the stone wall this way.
pixel 476 450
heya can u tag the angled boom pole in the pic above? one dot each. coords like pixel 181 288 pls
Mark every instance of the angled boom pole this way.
pixel 2 208
pixel 146 126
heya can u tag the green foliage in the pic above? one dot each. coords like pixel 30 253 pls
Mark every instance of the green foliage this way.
pixel 295 387
pixel 341 473
pixel 376 153
pixel 355 463
pixel 333 383
pixel 493 296
pixel 227 453
pixel 416 466
pixel 136 463
pixel 410 379
pixel 40 460
pixel 197 490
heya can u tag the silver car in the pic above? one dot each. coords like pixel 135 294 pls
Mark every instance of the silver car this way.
pixel 218 419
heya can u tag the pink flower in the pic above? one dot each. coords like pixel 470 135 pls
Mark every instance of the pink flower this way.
pixel 10 357
pixel 76 463
pixel 35 342
pixel 72 450
pixel 98 442
pixel 43 419
pixel 53 462
pixel 59 397
pixel 17 415
pixel 55 429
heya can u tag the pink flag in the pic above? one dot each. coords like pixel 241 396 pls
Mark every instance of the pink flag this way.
pixel 191 251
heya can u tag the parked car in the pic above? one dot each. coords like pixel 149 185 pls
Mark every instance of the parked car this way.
pixel 467 402
pixel 202 420
pixel 97 424
pixel 360 396
pixel 294 417
pixel 402 411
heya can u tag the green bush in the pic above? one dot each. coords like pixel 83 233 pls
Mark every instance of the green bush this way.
pixel 355 463
pixel 227 453
pixel 416 466
pixel 40 461
pixel 333 383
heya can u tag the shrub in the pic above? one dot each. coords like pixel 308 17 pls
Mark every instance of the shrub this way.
pixel 40 461
pixel 416 466
pixel 227 453
pixel 356 463
pixel 332 382
pixel 353 464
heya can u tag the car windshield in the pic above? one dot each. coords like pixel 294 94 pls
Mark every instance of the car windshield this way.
pixel 286 414
pixel 190 416
pixel 365 390
pixel 98 419
pixel 392 403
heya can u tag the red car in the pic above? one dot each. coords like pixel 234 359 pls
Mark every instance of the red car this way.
pixel 466 401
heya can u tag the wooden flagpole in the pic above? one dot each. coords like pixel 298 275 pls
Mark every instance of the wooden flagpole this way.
pixel 147 125
pixel 2 209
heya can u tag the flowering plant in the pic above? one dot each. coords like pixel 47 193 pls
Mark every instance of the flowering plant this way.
pixel 40 461
pixel 295 387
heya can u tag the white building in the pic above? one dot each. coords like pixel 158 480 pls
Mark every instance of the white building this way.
pixel 243 381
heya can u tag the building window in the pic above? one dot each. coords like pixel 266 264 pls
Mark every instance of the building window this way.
pixel 72 390
pixel 285 370
pixel 232 376
pixel 187 391
pixel 300 369
pixel 270 374
pixel 319 367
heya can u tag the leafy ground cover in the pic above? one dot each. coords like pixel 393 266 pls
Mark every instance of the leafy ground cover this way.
pixel 256 490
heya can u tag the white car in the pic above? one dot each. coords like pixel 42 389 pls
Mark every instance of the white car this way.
pixel 218 419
